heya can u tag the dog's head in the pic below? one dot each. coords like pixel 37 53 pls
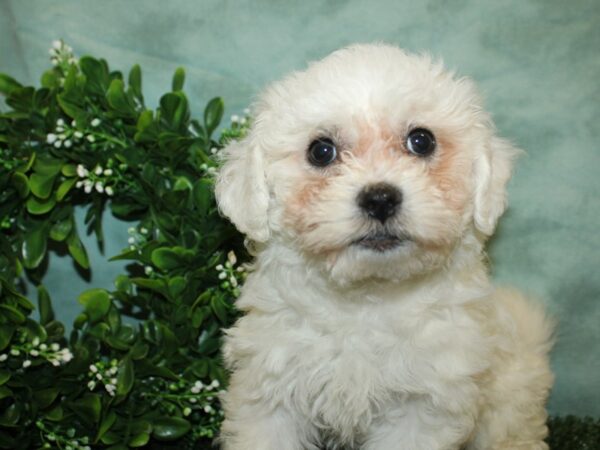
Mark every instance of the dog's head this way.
pixel 374 161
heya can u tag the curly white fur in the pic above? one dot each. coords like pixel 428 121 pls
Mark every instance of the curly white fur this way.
pixel 343 346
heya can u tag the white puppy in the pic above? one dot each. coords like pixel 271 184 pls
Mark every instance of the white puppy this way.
pixel 368 185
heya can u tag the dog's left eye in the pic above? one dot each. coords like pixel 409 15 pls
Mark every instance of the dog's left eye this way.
pixel 420 142
pixel 322 152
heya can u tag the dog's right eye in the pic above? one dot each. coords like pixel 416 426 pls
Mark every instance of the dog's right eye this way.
pixel 322 152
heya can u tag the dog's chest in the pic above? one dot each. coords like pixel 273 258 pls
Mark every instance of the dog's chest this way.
pixel 351 370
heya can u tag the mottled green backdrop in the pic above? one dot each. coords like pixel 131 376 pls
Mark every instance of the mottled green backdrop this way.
pixel 537 61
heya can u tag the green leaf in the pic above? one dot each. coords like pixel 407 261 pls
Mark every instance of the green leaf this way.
pixel 88 408
pixel 174 110
pixel 96 303
pixel 64 188
pixel 6 333
pixel 140 440
pixel 50 79
pixel 5 392
pixel 77 250
pixel 178 79
pixel 21 184
pixel 41 184
pixel 44 305
pixel 170 258
pixel 182 184
pixel 72 109
pixel 33 248
pixel 203 196
pixel 135 82
pixel 118 100
pixel 125 377
pixel 213 113
pixel 38 207
pixel 96 75
pixel 106 424
pixel 11 313
pixel 170 428
pixel 8 84
pixel 4 376
pixel 60 230
pixel 69 170
pixel 45 397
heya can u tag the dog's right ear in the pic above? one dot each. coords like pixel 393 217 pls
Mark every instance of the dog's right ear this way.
pixel 241 189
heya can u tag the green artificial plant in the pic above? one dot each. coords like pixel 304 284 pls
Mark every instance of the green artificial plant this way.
pixel 141 366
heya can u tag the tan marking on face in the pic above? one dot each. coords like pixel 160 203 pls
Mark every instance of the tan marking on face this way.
pixel 449 171
pixel 296 209
pixel 376 139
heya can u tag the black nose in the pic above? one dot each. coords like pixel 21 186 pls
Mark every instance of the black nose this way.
pixel 380 201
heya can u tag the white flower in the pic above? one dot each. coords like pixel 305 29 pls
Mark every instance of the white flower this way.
pixel 222 276
pixel 43 347
pixel 99 187
pixel 240 269
pixel 54 347
pixel 95 122
pixel 98 170
pixel 60 123
pixel 62 136
pixel 92 385
pixel 195 390
pixel 148 270
pixel 131 240
pixel 34 352
pixel 99 376
pixel 187 411
pixel 68 143
pixel 233 281
pixel 26 363
pixel 235 118
pixel 55 362
pixel 215 383
pixel 35 342
pixel 57 144
pixel 108 172
pixel 109 191
pixel 208 409
pixel 213 150
pixel 193 400
pixel 15 352
pixel 243 121
pixel 88 185
pixel 93 368
pixel 246 111
pixel 57 44
pixel 52 52
pixel 219 267
pixel 79 184
pixel 90 138
pixel 144 230
pixel 66 355
pixel 113 381
pixel 78 135
pixel 3 357
pixel 73 123
pixel 113 370
pixel 50 138
pixel 231 257
pixel 59 129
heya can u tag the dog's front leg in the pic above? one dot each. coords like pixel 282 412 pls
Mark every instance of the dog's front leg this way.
pixel 250 428
pixel 419 426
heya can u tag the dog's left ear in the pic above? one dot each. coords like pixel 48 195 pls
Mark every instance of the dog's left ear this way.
pixel 492 171
pixel 241 189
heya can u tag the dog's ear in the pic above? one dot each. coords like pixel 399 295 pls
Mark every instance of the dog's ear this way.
pixel 241 189
pixel 492 171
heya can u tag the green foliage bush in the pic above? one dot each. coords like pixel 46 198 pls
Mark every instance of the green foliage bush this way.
pixel 141 366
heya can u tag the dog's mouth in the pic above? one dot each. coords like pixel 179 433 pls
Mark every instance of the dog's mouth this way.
pixel 380 242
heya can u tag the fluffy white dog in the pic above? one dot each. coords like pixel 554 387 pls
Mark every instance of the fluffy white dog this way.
pixel 368 185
